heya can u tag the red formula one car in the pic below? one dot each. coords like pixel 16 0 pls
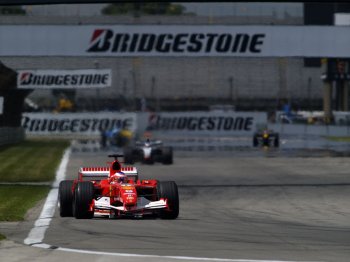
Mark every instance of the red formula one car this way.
pixel 116 191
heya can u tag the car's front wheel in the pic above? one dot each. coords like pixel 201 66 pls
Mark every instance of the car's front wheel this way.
pixel 167 155
pixel 128 156
pixel 83 197
pixel 169 191
pixel 65 198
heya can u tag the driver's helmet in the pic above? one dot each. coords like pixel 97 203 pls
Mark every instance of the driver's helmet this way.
pixel 147 143
pixel 118 177
pixel 266 133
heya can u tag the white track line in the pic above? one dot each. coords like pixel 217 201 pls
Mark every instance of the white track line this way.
pixel 37 233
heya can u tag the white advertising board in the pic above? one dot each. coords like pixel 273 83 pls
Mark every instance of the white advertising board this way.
pixel 76 123
pixel 62 79
pixel 205 123
pixel 175 40
pixel 342 19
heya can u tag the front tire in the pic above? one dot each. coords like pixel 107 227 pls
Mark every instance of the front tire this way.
pixel 128 156
pixel 169 191
pixel 83 196
pixel 65 196
pixel 167 155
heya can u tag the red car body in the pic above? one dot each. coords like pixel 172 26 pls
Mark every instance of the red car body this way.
pixel 98 192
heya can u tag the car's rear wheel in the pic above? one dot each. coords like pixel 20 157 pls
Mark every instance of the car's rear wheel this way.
pixel 169 191
pixel 277 141
pixel 65 196
pixel 83 197
pixel 255 141
pixel 167 154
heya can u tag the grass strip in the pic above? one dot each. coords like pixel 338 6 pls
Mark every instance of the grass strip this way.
pixel 339 138
pixel 31 160
pixel 2 237
pixel 15 201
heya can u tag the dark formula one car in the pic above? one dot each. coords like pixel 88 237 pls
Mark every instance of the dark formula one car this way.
pixel 148 152
pixel 266 138
pixel 116 191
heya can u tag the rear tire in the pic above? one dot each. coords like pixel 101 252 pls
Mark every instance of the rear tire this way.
pixel 65 196
pixel 255 141
pixel 168 190
pixel 83 196
pixel 167 155
pixel 276 142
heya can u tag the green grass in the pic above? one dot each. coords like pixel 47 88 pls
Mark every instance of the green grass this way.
pixel 15 201
pixel 339 139
pixel 31 160
pixel 28 161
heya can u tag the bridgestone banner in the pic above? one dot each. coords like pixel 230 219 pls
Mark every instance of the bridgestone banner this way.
pixel 62 79
pixel 175 40
pixel 206 123
pixel 81 124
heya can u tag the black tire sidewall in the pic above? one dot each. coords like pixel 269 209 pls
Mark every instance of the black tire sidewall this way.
pixel 83 195
pixel 65 196
pixel 169 191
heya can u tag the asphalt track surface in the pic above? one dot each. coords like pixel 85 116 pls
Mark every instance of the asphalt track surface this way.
pixel 231 207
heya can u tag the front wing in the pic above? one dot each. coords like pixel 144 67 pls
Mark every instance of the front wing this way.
pixel 103 206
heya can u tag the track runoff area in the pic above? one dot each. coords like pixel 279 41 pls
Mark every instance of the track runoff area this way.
pixel 241 209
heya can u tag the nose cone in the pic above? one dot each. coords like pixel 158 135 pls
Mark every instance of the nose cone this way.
pixel 129 195
pixel 130 200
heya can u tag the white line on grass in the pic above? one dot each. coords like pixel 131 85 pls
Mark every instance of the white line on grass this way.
pixel 37 233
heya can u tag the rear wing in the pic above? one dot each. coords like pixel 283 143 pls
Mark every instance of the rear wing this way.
pixel 99 173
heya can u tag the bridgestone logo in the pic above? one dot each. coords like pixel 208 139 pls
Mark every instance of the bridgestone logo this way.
pixel 105 40
pixel 211 123
pixel 65 79
pixel 73 125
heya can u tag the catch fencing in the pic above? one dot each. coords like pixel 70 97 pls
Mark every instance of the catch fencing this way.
pixel 305 129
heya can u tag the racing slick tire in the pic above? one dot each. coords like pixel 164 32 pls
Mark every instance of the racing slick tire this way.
pixel 128 156
pixel 83 196
pixel 255 141
pixel 65 196
pixel 168 190
pixel 167 155
pixel 276 141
